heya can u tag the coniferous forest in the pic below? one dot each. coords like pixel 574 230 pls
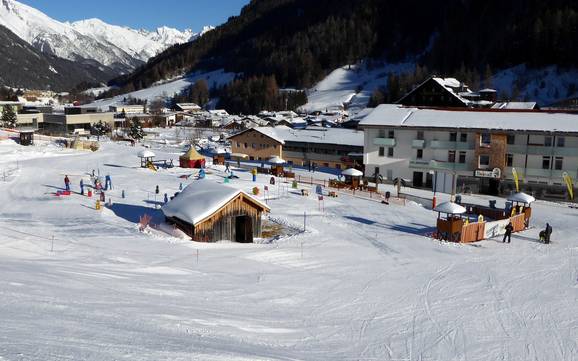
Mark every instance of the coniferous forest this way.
pixel 297 42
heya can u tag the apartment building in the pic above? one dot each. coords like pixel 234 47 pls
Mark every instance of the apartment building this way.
pixel 480 146
pixel 335 148
pixel 76 118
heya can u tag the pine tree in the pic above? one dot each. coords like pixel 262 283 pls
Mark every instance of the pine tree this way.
pixel 99 129
pixel 9 118
pixel 135 131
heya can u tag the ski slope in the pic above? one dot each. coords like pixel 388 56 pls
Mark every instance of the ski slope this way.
pixel 361 283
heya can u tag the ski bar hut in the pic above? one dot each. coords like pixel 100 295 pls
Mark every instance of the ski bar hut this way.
pixel 450 227
pixel 211 212
pixel 352 177
pixel 192 159
pixel 522 204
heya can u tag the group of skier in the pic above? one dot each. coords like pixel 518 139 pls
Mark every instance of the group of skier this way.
pixel 544 234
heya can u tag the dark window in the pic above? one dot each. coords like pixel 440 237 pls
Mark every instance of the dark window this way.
pixel 561 142
pixel 547 141
pixel 420 135
pixel 419 153
pixel 246 145
pixel 452 156
pixel 511 139
pixel 381 133
pixel 484 161
pixel 558 163
pixel 464 137
pixel 545 162
pixel 485 139
pixel 453 137
pixel 381 151
pixel 462 157
pixel 509 160
pixel 390 152
pixel 391 134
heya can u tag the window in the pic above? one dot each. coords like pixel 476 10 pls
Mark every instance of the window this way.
pixel 391 134
pixel 390 152
pixel 420 135
pixel 546 162
pixel 453 137
pixel 558 163
pixel 381 151
pixel 462 157
pixel 509 160
pixel 419 154
pixel 452 156
pixel 547 141
pixel 484 161
pixel 561 142
pixel 464 137
pixel 485 139
pixel 238 145
pixel 381 133
pixel 511 139
pixel 246 145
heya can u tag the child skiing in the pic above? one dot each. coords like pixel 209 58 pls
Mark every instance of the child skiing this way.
pixel 67 183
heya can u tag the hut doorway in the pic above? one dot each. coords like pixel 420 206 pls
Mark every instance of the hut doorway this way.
pixel 243 229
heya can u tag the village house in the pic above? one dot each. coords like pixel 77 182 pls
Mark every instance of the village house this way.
pixel 75 119
pixel 319 147
pixel 188 107
pixel 482 147
pixel 212 212
pixel 127 109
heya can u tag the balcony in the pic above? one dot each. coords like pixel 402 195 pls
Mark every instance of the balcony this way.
pixel 386 142
pixel 437 165
pixel 440 144
pixel 566 152
pixel 547 173
pixel 418 144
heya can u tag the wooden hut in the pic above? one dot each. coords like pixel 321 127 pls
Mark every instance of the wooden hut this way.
pixel 353 177
pixel 277 166
pixel 192 159
pixel 211 212
pixel 522 204
pixel 27 136
pixel 450 226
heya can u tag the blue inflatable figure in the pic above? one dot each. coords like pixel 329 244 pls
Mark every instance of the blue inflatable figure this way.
pixel 107 183
pixel 81 187
pixel 319 190
pixel 202 174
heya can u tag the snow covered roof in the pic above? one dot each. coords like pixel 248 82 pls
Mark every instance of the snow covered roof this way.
pixel 277 160
pixel 352 172
pixel 515 105
pixel 398 116
pixel 450 208
pixel 203 198
pixel 521 198
pixel 145 153
pixel 339 136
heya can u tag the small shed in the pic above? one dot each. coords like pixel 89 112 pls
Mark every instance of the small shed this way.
pixel 146 157
pixel 450 227
pixel 522 203
pixel 211 212
pixel 27 136
pixel 192 159
pixel 277 166
pixel 353 177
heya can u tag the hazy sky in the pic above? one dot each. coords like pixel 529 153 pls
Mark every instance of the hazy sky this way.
pixel 147 14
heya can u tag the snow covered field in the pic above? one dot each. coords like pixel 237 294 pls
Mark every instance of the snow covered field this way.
pixel 361 283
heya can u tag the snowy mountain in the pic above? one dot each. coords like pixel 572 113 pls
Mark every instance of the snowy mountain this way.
pixel 121 49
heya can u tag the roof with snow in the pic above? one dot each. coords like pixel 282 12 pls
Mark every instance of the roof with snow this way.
pixel 515 105
pixel 390 115
pixel 203 198
pixel 521 198
pixel 450 208
pixel 338 136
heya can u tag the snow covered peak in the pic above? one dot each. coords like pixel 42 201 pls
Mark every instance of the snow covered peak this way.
pixel 120 47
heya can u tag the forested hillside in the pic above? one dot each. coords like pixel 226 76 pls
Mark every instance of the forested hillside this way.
pixel 300 41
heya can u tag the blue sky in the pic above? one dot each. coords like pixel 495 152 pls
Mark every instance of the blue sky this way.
pixel 147 14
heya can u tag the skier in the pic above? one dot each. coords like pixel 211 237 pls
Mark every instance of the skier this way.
pixel 66 182
pixel 166 198
pixel 545 234
pixel 157 190
pixel 81 187
pixel 227 167
pixel 508 234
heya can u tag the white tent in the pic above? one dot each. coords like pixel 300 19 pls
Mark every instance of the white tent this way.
pixel 521 198
pixel 277 160
pixel 450 208
pixel 352 172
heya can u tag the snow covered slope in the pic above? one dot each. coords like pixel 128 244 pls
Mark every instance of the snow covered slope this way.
pixel 119 48
pixel 169 88
pixel 362 283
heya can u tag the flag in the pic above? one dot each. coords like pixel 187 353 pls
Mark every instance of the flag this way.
pixel 570 184
pixel 516 179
